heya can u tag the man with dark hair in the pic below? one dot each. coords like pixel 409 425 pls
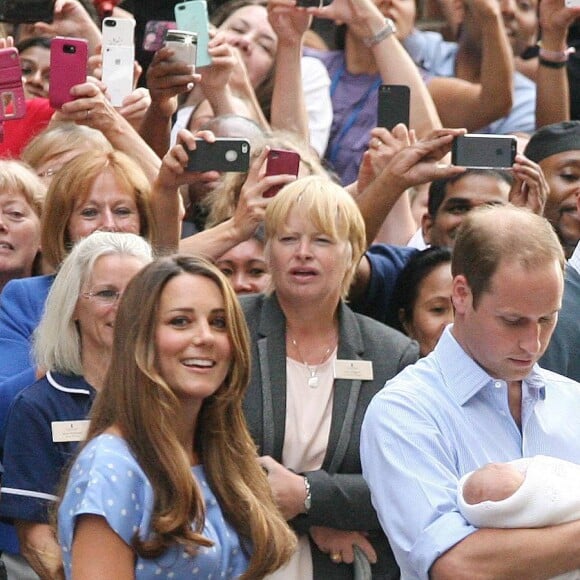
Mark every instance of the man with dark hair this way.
pixel 562 355
pixel 451 199
pixel 479 397
pixel 556 148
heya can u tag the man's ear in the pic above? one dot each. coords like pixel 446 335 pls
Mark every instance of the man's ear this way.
pixel 461 294
pixel 426 226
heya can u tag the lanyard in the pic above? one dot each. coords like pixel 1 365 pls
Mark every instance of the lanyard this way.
pixel 356 110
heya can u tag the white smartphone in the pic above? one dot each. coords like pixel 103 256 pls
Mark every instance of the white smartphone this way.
pixel 118 72
pixel 118 32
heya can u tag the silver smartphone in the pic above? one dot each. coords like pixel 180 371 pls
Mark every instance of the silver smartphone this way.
pixel 480 151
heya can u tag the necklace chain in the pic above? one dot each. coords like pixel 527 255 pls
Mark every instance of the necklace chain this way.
pixel 312 369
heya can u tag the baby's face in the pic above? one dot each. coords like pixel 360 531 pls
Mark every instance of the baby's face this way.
pixel 492 482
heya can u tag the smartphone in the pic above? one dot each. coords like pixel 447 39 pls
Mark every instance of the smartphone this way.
pixel 154 35
pixel 192 16
pixel 394 105
pixel 12 101
pixel 484 151
pixel 20 11
pixel 118 72
pixel 309 3
pixel 68 67
pixel 224 155
pixel 572 3
pixel 183 43
pixel 281 162
pixel 118 32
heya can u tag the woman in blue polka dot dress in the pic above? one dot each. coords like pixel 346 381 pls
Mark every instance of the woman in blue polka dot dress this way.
pixel 167 484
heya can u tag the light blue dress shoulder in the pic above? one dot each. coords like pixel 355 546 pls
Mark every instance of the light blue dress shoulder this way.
pixel 106 480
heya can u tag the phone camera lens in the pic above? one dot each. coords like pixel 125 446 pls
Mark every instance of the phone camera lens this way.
pixel 69 49
pixel 111 23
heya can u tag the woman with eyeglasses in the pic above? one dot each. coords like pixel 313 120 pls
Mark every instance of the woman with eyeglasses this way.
pixel 47 420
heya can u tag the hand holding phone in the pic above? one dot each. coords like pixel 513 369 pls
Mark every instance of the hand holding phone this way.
pixel 12 101
pixel 228 155
pixel 68 67
pixel 281 162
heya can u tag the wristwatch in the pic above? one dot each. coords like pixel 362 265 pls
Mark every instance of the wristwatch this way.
pixel 308 498
pixel 390 28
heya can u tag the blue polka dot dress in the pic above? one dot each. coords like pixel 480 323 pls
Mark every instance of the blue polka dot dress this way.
pixel 107 481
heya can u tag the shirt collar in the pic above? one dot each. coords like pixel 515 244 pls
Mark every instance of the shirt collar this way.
pixel 69 384
pixel 464 378
pixel 574 261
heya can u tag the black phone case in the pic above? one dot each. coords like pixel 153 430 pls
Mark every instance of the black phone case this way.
pixel 231 155
pixel 19 11
pixel 394 102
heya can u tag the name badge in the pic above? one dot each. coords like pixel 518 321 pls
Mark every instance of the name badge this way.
pixel 69 431
pixel 353 369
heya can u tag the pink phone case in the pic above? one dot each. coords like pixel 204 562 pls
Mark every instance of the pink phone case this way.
pixel 68 67
pixel 12 102
pixel 281 162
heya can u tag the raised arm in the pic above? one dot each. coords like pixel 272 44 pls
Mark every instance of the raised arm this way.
pixel 395 66
pixel 475 102
pixel 288 106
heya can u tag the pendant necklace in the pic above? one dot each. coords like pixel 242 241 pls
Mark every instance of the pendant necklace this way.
pixel 312 370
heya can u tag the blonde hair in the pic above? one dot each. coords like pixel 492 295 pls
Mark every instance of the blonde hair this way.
pixel 74 181
pixel 137 400
pixel 18 177
pixel 57 343
pixel 330 208
pixel 61 138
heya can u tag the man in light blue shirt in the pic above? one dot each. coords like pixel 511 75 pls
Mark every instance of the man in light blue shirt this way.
pixel 479 397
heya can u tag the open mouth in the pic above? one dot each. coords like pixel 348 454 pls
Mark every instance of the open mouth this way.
pixel 199 363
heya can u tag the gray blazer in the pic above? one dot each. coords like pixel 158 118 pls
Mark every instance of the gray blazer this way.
pixel 340 496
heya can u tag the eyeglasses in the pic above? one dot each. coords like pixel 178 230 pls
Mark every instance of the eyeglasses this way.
pixel 106 297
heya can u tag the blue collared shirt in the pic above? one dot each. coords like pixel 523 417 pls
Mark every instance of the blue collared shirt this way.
pixel 441 418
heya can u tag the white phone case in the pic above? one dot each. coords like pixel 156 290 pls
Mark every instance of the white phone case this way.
pixel 118 72
pixel 118 32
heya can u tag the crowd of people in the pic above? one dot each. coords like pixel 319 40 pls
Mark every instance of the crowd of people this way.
pixel 369 374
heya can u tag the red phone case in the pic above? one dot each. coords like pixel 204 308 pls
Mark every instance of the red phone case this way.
pixel 68 67
pixel 281 162
pixel 12 102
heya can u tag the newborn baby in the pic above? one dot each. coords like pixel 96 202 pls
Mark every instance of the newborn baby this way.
pixel 525 493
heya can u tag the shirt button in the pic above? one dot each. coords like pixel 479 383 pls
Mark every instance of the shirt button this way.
pixel 498 384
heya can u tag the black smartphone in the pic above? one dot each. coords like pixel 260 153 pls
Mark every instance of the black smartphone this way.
pixel 20 11
pixel 484 151
pixel 309 3
pixel 225 154
pixel 394 105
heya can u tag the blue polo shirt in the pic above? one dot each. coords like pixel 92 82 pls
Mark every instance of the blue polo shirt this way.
pixel 33 461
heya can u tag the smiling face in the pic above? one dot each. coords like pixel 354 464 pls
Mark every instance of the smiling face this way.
pixel 305 263
pixel 461 196
pixel 562 172
pixel 249 31
pixel 509 330
pixel 19 235
pixel 107 208
pixel 432 310
pixel 245 267
pixel 96 308
pixel 193 349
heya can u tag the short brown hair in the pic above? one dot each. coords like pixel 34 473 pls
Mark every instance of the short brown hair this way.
pixel 489 235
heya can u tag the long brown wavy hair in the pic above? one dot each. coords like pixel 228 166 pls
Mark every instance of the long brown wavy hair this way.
pixel 137 400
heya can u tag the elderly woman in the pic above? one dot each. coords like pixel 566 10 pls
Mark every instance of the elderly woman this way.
pixel 169 443
pixel 47 420
pixel 315 367
pixel 97 190
pixel 21 199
